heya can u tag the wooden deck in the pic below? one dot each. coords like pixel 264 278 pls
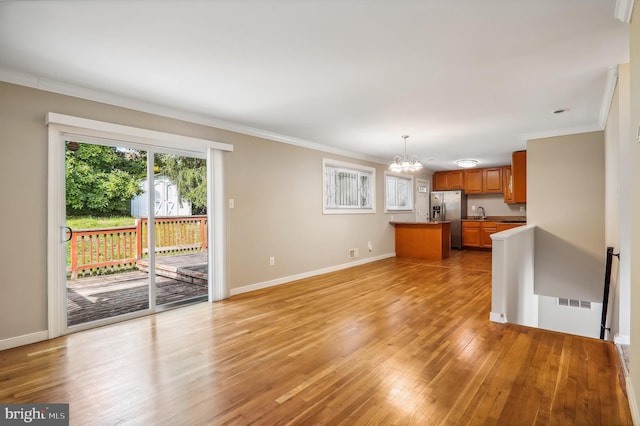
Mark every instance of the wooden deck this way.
pixel 178 278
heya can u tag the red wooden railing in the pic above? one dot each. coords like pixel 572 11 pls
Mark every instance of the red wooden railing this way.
pixel 106 250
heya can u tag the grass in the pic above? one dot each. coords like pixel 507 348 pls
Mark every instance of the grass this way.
pixel 91 222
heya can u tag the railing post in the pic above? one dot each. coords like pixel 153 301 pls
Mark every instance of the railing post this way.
pixel 203 233
pixel 138 238
pixel 74 257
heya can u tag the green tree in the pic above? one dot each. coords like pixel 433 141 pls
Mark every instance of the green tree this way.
pixel 189 175
pixel 102 180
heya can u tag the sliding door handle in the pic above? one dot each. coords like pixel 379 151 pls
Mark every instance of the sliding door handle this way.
pixel 67 234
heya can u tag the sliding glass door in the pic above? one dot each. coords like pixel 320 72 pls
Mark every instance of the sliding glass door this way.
pixel 180 229
pixel 136 230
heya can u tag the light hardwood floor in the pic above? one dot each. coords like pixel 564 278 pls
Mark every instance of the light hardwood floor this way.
pixel 392 342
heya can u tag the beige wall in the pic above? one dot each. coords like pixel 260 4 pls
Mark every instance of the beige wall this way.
pixel 565 200
pixel 277 190
pixel 634 196
pixel 494 205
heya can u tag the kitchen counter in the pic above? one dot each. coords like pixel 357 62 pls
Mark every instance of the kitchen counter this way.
pixel 423 240
pixel 432 222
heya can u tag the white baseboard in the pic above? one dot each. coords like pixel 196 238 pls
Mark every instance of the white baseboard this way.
pixel 621 339
pixel 497 317
pixel 283 280
pixel 14 342
pixel 635 416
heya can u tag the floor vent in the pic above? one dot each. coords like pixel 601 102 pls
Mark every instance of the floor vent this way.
pixel 574 303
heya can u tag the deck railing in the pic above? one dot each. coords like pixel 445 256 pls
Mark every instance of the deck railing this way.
pixel 108 250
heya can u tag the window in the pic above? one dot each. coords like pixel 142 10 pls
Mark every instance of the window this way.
pixel 399 191
pixel 348 188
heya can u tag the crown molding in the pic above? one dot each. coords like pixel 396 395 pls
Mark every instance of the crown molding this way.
pixel 561 132
pixel 623 10
pixel 54 86
pixel 607 98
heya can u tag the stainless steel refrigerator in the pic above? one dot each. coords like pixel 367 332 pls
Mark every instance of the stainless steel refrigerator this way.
pixel 450 206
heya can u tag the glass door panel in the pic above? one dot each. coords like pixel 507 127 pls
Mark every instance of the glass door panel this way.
pixel 106 275
pixel 180 224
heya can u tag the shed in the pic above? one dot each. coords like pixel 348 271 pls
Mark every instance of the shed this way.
pixel 166 199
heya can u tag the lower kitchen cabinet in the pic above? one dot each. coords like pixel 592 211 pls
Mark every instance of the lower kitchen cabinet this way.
pixel 478 233
pixel 486 229
pixel 471 234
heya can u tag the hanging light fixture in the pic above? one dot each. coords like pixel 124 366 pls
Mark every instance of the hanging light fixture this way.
pixel 405 163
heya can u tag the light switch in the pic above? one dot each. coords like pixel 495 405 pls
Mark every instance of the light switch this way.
pixel 232 203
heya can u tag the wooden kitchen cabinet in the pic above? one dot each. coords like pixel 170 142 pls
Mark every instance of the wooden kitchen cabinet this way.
pixel 449 180
pixel 486 229
pixel 519 176
pixel 473 181
pixel 492 180
pixel 478 233
pixel 507 184
pixel 483 181
pixel 505 226
pixel 471 234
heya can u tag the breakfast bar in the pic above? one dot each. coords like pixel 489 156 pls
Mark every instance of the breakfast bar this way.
pixel 423 240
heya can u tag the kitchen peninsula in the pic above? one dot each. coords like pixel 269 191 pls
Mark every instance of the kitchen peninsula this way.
pixel 423 240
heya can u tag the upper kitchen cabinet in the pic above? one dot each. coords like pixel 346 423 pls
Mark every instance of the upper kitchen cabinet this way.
pixel 519 176
pixel 473 181
pixel 507 184
pixel 445 181
pixel 492 179
pixel 483 181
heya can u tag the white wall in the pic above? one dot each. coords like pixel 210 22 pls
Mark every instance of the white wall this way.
pixel 580 321
pixel 512 277
pixel 618 164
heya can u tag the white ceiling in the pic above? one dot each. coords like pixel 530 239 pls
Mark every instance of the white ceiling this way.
pixel 464 78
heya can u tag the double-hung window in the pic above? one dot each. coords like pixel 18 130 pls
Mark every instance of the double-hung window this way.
pixel 399 193
pixel 348 188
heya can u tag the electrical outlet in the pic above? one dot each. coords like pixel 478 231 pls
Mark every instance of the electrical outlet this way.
pixel 473 208
pixel 522 209
pixel 353 253
pixel 272 261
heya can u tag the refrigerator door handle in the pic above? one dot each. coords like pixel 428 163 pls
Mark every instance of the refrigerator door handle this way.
pixel 443 216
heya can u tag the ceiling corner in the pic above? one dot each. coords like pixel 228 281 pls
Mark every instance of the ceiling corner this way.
pixel 607 98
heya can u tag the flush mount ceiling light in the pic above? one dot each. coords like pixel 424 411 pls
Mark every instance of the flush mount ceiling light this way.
pixel 467 163
pixel 405 163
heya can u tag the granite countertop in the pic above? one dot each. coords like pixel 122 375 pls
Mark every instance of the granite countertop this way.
pixel 431 222
pixel 503 219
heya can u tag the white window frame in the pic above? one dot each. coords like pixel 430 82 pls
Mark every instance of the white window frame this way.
pixel 361 170
pixel 410 193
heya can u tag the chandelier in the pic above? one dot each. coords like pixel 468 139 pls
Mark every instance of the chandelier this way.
pixel 405 163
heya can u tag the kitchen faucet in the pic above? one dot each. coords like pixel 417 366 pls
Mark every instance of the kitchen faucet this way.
pixel 481 212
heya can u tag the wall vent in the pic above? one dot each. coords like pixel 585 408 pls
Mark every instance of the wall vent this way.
pixel 353 253
pixel 574 303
